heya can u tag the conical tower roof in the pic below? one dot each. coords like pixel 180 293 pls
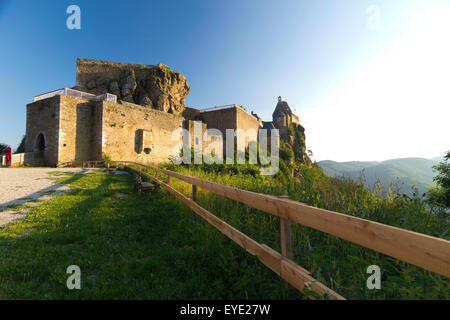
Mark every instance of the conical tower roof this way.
pixel 282 108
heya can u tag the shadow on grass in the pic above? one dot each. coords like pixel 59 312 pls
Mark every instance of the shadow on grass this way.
pixel 127 248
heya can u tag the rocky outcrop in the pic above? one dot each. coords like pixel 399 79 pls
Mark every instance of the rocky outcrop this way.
pixel 155 87
pixel 295 140
pixel 292 133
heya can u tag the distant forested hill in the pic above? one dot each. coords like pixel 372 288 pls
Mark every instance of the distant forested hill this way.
pixel 399 173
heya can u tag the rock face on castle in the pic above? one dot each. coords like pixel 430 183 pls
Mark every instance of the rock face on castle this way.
pixel 292 134
pixel 155 87
pixel 296 142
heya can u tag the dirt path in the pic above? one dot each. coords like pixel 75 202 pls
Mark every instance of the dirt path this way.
pixel 23 186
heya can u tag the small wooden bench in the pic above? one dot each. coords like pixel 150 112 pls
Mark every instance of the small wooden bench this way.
pixel 111 169
pixel 142 186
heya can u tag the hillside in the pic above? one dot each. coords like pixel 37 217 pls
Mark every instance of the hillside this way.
pixel 401 173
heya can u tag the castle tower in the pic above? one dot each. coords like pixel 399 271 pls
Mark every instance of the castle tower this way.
pixel 282 116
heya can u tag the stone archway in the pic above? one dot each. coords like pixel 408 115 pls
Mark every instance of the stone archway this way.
pixel 40 143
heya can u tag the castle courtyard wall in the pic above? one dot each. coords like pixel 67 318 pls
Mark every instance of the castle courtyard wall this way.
pixel 221 119
pixel 43 118
pixel 135 133
pixel 248 124
pixel 79 130
pixel 233 118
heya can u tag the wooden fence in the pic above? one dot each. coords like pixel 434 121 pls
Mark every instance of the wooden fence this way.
pixel 425 251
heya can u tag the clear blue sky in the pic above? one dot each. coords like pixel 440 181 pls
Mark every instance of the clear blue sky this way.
pixel 320 56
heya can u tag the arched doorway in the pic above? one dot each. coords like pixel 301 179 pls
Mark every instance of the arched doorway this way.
pixel 40 143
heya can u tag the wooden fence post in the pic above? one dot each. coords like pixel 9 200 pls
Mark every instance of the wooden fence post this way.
pixel 194 193
pixel 286 238
pixel 168 180
pixel 194 198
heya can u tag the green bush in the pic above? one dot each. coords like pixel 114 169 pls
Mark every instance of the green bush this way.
pixel 106 157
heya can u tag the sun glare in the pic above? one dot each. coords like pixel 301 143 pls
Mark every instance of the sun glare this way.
pixel 395 106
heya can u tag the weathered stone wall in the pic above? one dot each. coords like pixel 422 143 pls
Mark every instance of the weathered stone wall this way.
pixel 192 114
pixel 221 119
pixel 71 128
pixel 43 119
pixel 248 125
pixel 125 124
pixel 76 132
pixel 197 142
pixel 232 118
pixel 80 129
pixel 97 134
pixel 28 158
pixel 281 121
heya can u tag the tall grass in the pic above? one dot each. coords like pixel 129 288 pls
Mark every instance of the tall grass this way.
pixel 337 263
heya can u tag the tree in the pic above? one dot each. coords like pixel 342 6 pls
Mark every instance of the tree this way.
pixel 3 147
pixel 21 147
pixel 440 195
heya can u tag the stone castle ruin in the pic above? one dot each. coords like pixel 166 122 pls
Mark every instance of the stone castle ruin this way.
pixel 128 112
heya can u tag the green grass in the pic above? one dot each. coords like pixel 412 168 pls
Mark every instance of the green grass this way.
pixel 56 173
pixel 15 207
pixel 152 248
pixel 339 264
pixel 127 248
pixel 26 198
pixel 49 192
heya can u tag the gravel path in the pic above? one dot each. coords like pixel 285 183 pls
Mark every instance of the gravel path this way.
pixel 20 186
